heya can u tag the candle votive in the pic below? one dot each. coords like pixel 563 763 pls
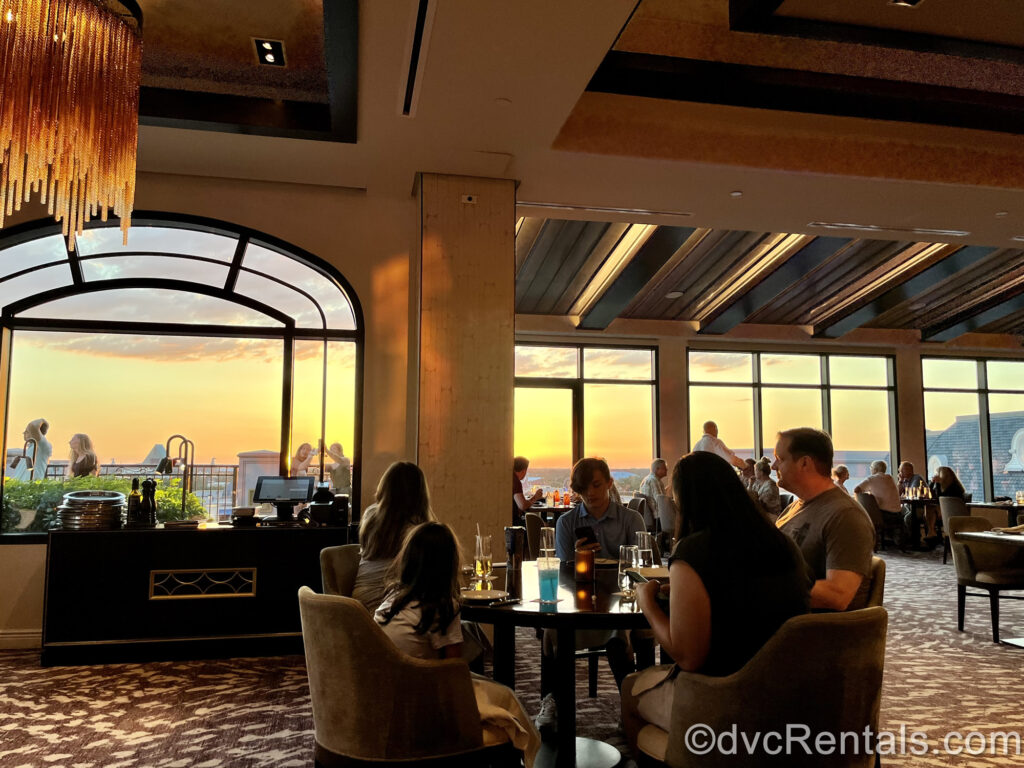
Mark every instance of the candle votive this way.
pixel 585 570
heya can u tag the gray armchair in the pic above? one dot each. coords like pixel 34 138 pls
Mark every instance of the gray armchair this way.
pixel 949 507
pixel 992 567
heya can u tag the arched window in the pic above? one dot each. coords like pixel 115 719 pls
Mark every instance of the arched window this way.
pixel 244 344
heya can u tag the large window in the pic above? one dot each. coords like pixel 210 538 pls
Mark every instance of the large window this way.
pixel 246 346
pixel 974 422
pixel 573 401
pixel 751 396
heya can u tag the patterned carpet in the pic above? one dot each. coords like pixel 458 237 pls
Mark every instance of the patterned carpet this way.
pixel 255 712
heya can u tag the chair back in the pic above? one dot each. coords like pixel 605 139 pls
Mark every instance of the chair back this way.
pixel 338 568
pixel 667 514
pixel 877 593
pixel 997 516
pixel 870 505
pixel 823 671
pixel 534 523
pixel 950 506
pixel 371 701
pixel 639 504
pixel 969 557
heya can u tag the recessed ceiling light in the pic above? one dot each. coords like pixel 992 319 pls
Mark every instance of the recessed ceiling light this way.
pixel 736 193
pixel 1001 214
pixel 269 53
pixel 674 295
pixel 906 3
pixel 1018 239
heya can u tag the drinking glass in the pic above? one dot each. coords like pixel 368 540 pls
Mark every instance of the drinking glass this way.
pixel 547 542
pixel 482 566
pixel 645 549
pixel 628 560
pixel 547 578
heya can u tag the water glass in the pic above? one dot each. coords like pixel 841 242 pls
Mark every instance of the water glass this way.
pixel 628 560
pixel 547 542
pixel 547 578
pixel 483 564
pixel 645 547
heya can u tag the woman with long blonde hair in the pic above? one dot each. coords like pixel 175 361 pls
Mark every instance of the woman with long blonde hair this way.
pixel 403 501
pixel 82 462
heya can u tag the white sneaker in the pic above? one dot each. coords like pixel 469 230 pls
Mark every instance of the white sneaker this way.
pixel 547 718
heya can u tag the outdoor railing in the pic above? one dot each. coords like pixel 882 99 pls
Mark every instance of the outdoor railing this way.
pixel 213 484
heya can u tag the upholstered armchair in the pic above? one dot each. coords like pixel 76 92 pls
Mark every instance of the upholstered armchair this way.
pixel 338 567
pixel 823 671
pixel 992 567
pixel 949 507
pixel 877 593
pixel 374 705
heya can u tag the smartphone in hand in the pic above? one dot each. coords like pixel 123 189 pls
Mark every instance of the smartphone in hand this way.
pixel 586 533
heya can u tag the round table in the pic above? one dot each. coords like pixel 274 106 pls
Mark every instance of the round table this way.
pixel 593 605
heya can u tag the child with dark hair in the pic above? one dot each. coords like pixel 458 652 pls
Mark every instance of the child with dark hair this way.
pixel 422 603
pixel 420 616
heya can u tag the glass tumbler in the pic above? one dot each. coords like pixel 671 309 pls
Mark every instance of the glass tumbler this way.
pixel 628 560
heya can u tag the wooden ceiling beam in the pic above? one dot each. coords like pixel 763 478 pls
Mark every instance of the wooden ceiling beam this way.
pixel 973 319
pixel 764 291
pixel 904 290
pixel 644 265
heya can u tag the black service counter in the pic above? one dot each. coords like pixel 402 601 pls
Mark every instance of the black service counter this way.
pixel 143 595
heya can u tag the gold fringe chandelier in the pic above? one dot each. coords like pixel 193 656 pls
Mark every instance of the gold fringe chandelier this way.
pixel 69 108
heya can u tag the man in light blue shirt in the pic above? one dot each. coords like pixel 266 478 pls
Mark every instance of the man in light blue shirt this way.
pixel 613 524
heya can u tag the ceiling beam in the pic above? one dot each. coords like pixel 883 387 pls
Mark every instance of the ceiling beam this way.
pixel 905 290
pixel 341 54
pixel 817 93
pixel 644 265
pixel 764 291
pixel 973 319
pixel 227 113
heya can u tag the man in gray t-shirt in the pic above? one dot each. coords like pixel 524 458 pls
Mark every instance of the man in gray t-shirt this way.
pixel 833 532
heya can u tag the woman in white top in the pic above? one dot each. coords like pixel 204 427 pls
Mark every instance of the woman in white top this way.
pixel 402 502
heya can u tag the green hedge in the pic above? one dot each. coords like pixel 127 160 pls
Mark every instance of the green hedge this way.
pixel 44 496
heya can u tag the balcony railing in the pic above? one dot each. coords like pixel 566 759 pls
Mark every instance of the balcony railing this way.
pixel 213 484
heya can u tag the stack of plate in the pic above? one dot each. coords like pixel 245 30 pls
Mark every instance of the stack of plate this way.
pixel 92 510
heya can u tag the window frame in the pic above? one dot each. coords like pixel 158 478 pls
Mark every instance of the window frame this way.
pixel 243 236
pixel 757 386
pixel 982 392
pixel 576 385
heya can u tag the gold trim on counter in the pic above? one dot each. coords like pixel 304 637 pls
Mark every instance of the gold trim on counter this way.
pixel 201 583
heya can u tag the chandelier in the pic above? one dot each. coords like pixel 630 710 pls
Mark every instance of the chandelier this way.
pixel 69 108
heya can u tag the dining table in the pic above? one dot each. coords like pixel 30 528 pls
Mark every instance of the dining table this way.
pixel 581 605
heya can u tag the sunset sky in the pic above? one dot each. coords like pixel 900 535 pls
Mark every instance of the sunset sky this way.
pixel 130 392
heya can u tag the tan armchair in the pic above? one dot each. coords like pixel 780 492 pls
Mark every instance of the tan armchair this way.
pixel 373 704
pixel 989 566
pixel 819 670
pixel 338 567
